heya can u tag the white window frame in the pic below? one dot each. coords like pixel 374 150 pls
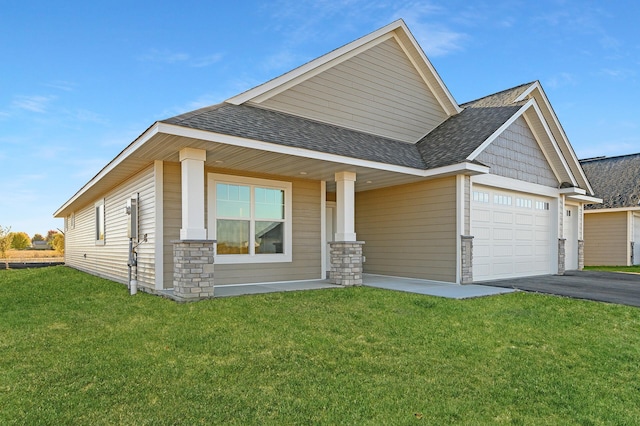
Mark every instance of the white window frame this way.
pixel 100 242
pixel 215 178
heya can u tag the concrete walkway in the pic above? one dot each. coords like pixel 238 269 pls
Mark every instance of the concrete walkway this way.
pixel 410 285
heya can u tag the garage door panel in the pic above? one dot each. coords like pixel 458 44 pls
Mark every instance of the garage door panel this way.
pixel 511 239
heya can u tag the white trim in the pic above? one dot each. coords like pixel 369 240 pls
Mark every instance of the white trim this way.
pixel 585 199
pixel 573 191
pixel 498 132
pixel 175 130
pixel 531 103
pixel 515 185
pixel 556 122
pixel 272 282
pixel 124 154
pixel 96 219
pixel 459 225
pixel 266 90
pixel 613 210
pixel 323 228
pixel 286 257
pixel 158 175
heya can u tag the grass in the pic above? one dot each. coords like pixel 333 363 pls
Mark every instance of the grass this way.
pixel 634 269
pixel 32 255
pixel 76 349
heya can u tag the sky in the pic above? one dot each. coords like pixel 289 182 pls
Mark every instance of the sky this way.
pixel 80 80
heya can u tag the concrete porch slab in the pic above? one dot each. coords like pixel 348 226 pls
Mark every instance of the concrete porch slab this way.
pixel 433 288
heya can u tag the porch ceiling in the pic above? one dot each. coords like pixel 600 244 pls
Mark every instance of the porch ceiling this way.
pixel 243 159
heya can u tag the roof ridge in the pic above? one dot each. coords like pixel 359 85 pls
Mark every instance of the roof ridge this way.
pixel 493 95
pixel 604 157
pixel 176 119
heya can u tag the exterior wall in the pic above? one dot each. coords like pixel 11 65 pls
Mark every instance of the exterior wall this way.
pixel 307 256
pixel 410 230
pixel 516 154
pixel 378 91
pixel 605 239
pixel 110 260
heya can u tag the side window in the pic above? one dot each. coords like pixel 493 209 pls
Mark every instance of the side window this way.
pixel 100 222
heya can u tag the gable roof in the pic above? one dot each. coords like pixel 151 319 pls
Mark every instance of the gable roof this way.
pixel 397 30
pixel 285 129
pixel 615 179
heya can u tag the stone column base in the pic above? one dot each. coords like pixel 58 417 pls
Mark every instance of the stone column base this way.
pixel 466 259
pixel 192 269
pixel 580 255
pixel 561 256
pixel 346 263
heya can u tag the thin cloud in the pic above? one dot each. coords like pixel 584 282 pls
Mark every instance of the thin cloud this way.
pixel 617 74
pixel 33 103
pixel 562 79
pixel 169 57
pixel 65 86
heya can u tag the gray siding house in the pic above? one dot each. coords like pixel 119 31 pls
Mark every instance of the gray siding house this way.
pixel 359 161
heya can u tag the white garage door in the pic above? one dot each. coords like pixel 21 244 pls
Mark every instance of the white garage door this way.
pixel 512 234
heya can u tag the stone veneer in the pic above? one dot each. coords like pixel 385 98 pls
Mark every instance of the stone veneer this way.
pixel 580 255
pixel 346 263
pixel 192 269
pixel 561 256
pixel 466 257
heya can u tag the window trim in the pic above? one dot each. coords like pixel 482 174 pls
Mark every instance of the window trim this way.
pixel 97 219
pixel 215 178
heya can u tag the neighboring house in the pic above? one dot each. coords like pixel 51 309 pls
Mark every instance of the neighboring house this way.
pixel 40 245
pixel 359 159
pixel 612 229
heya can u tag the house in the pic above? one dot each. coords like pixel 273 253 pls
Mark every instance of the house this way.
pixel 612 229
pixel 358 161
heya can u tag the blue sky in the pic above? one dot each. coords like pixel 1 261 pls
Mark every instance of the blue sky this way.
pixel 81 80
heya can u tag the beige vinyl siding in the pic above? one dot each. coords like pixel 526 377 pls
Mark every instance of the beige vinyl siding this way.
pixel 172 189
pixel 377 91
pixel 409 230
pixel 306 228
pixel 110 260
pixel 605 239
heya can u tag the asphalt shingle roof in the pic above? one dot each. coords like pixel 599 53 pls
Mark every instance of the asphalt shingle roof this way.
pixel 450 143
pixel 614 179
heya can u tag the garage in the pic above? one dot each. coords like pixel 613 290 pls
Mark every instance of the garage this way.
pixel 512 234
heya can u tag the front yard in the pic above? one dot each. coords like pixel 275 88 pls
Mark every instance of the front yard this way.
pixel 76 349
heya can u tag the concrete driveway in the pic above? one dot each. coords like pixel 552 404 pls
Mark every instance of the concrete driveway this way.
pixel 612 287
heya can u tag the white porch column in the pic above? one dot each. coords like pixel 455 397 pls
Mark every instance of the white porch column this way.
pixel 345 203
pixel 192 165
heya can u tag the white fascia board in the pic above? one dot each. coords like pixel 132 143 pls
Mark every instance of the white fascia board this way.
pixel 427 62
pixel 573 191
pixel 133 146
pixel 175 130
pixel 498 132
pixel 514 185
pixel 614 210
pixel 585 199
pixel 304 70
pixel 537 86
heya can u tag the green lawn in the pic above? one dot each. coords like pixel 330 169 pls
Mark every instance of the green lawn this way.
pixel 75 349
pixel 634 269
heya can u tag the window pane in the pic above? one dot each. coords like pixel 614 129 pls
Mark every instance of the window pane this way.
pixel 233 236
pixel 269 203
pixel 269 237
pixel 100 222
pixel 233 201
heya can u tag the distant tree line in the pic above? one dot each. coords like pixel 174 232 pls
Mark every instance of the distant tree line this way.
pixel 21 240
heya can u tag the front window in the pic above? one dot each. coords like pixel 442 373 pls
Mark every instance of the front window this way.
pixel 252 219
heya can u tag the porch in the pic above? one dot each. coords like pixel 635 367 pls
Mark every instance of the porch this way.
pixel 409 285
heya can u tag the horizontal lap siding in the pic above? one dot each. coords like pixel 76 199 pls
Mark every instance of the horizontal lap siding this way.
pixel 605 239
pixel 409 230
pixel 110 260
pixel 306 234
pixel 377 91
